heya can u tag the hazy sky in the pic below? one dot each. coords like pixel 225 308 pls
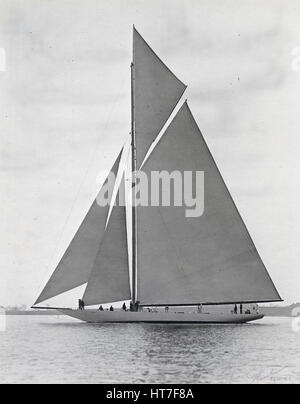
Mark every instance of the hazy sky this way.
pixel 65 113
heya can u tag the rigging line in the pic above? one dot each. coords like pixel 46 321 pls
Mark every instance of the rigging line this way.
pixel 91 161
pixel 119 177
pixel 112 203
pixel 163 130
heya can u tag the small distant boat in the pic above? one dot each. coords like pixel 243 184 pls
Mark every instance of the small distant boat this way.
pixel 177 262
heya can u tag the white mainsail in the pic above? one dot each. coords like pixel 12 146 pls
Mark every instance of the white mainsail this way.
pixel 156 93
pixel 209 259
pixel 109 279
pixel 76 264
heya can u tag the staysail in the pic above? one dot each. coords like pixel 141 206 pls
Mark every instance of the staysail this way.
pixel 156 93
pixel 76 264
pixel 207 259
pixel 109 279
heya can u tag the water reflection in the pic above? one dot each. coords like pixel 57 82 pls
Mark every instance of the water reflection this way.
pixel 55 349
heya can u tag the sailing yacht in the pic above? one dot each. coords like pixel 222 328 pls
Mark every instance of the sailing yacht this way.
pixel 167 259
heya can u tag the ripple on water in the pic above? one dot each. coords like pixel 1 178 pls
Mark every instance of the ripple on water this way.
pixel 61 350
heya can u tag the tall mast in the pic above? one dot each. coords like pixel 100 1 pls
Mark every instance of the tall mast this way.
pixel 134 168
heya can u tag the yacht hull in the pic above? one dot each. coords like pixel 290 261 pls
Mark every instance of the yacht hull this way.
pixel 96 316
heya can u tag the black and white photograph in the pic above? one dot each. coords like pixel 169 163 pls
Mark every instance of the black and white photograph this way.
pixel 150 193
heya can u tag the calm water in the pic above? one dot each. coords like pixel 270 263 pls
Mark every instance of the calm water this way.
pixel 59 350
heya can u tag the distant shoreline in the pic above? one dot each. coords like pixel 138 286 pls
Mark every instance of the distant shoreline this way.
pixel 33 313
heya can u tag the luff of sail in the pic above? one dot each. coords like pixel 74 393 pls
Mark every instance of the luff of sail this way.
pixel 210 259
pixel 156 93
pixel 75 267
pixel 109 279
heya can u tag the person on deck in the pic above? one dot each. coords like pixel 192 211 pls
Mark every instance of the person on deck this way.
pixel 241 309
pixel 200 308
pixel 167 309
pixel 124 307
pixel 81 304
pixel 111 308
pixel 235 309
pixel 101 308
